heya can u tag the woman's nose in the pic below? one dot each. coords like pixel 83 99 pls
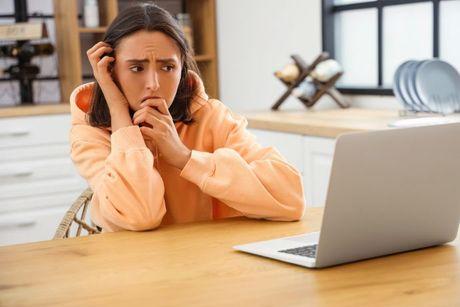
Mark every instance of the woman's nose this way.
pixel 152 81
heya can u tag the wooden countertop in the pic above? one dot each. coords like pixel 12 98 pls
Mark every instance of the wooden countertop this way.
pixel 31 110
pixel 323 123
pixel 194 264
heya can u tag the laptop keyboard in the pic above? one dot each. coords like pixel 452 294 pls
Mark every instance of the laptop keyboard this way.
pixel 305 251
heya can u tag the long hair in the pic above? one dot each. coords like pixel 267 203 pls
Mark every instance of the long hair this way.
pixel 149 17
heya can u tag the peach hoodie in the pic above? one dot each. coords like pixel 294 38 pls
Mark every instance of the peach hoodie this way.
pixel 228 174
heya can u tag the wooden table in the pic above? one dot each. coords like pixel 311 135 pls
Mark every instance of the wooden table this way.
pixel 194 264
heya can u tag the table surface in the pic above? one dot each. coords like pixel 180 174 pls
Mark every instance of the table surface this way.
pixel 194 264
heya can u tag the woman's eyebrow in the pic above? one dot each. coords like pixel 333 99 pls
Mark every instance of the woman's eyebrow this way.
pixel 161 60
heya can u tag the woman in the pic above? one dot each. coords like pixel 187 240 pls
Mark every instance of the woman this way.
pixel 155 149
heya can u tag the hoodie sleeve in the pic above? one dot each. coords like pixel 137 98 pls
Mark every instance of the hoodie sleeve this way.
pixel 256 181
pixel 128 190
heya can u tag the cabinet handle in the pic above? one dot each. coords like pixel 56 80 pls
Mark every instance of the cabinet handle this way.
pixel 25 172
pixel 16 132
pixel 17 223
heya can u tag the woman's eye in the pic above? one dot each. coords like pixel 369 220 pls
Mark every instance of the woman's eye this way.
pixel 136 68
pixel 168 68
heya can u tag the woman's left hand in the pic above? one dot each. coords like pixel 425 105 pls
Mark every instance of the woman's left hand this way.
pixel 162 132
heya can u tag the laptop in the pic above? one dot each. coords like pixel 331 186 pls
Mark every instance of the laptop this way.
pixel 390 191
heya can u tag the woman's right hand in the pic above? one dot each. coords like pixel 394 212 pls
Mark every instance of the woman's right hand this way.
pixel 100 64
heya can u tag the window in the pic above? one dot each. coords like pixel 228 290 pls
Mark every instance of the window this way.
pixel 372 38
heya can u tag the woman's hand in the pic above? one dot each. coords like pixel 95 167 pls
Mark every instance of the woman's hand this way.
pixel 116 101
pixel 158 127
pixel 100 64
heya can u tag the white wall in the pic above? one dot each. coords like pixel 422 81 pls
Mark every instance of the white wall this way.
pixel 256 37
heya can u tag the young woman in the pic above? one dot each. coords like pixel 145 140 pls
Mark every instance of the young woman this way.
pixel 155 149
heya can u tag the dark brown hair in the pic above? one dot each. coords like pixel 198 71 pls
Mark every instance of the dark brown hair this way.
pixel 149 17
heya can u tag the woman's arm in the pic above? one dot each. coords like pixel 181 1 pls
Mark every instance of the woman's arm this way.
pixel 256 181
pixel 128 190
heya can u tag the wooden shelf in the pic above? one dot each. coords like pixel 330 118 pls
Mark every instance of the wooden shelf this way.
pixel 92 30
pixel 203 57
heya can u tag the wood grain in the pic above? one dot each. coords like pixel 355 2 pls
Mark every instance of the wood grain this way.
pixel 194 264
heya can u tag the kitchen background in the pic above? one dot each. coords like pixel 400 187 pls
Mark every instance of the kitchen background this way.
pixel 253 39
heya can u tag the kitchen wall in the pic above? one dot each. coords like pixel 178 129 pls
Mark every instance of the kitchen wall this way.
pixel 256 37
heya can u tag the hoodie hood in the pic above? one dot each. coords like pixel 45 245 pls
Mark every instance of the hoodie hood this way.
pixel 80 99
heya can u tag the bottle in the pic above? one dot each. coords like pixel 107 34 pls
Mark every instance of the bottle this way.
pixel 186 24
pixel 289 73
pixel 325 70
pixel 306 89
pixel 91 14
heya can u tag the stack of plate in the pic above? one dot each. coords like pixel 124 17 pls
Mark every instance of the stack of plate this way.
pixel 428 86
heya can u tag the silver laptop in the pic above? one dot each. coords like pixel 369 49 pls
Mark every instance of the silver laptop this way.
pixel 390 191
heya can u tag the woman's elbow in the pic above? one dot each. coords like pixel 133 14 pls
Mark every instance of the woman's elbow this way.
pixel 147 220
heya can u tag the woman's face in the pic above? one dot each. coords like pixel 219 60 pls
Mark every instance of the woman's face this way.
pixel 147 65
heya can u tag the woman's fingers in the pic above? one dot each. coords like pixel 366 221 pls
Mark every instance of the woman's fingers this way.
pixel 96 46
pixel 103 64
pixel 147 112
pixel 147 115
pixel 158 103
pixel 95 57
pixel 98 61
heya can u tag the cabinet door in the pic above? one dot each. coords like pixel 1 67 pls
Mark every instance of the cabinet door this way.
pixel 318 163
pixel 288 144
pixel 34 130
pixel 30 226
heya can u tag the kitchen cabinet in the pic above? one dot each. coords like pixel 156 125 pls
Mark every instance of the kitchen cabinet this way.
pixel 38 181
pixel 288 144
pixel 318 158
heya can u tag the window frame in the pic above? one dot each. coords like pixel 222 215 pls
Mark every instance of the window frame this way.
pixel 328 11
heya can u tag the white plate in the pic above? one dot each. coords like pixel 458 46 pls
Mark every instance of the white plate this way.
pixel 405 79
pixel 396 86
pixel 412 90
pixel 403 88
pixel 438 86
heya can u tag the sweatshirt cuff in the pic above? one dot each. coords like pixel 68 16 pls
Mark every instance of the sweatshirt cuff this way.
pixel 198 168
pixel 127 138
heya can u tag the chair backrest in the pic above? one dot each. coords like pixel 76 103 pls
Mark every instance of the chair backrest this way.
pixel 72 218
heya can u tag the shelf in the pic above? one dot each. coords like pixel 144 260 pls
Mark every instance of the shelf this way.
pixel 203 58
pixel 92 30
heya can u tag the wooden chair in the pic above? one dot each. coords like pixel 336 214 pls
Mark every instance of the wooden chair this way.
pixel 71 219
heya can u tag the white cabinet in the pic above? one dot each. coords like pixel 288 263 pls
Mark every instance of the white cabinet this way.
pixel 312 156
pixel 38 181
pixel 318 157
pixel 288 144
pixel 30 225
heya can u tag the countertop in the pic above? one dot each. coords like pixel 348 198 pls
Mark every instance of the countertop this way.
pixel 32 110
pixel 323 123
